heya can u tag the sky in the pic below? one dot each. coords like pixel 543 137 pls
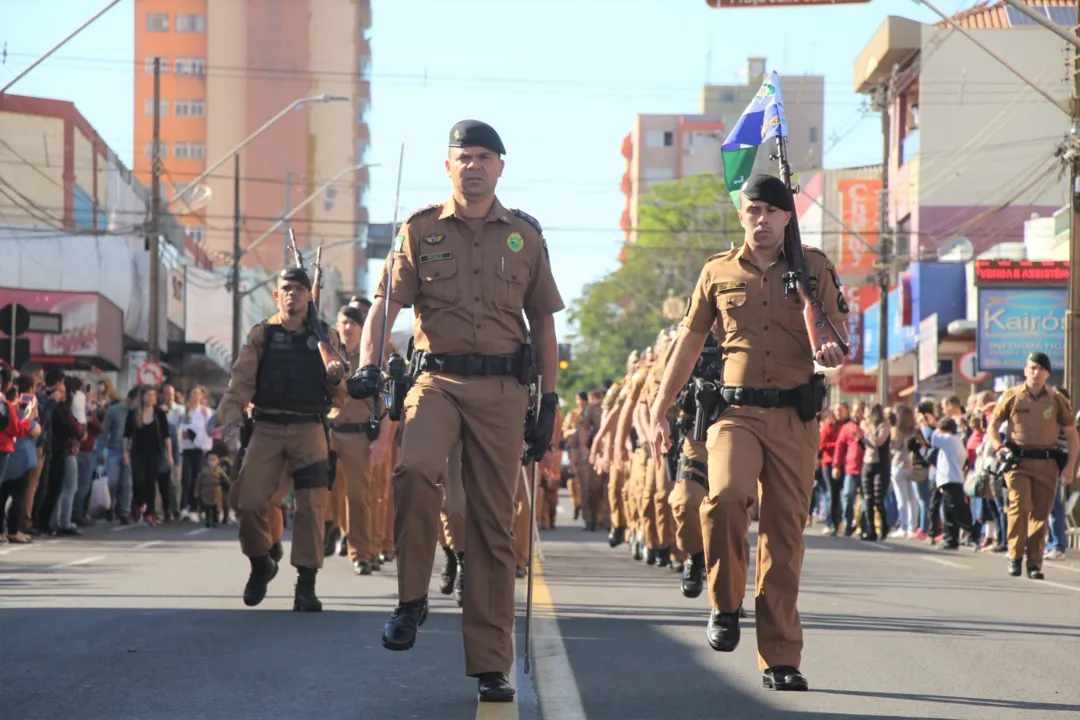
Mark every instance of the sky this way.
pixel 560 80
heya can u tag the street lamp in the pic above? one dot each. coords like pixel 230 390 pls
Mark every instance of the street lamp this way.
pixel 324 98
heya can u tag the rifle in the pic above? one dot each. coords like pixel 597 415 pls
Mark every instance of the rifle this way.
pixel 395 364
pixel 326 350
pixel 819 327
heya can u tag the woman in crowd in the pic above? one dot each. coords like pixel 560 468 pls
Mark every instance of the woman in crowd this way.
pixel 905 473
pixel 67 434
pixel 875 473
pixel 148 452
pixel 195 441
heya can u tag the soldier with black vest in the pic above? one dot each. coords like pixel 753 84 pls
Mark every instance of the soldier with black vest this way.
pixel 282 374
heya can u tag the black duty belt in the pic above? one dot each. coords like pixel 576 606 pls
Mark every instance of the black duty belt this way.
pixel 1030 454
pixel 472 365
pixel 760 397
pixel 348 427
pixel 285 418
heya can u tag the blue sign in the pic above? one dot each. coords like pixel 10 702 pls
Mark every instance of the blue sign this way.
pixel 902 339
pixel 1014 323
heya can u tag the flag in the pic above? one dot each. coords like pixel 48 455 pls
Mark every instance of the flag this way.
pixel 763 119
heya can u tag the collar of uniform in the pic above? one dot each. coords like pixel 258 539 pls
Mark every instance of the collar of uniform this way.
pixel 278 319
pixel 743 252
pixel 496 212
pixel 1035 395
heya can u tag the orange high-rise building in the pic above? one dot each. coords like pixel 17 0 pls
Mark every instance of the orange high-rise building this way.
pixel 227 67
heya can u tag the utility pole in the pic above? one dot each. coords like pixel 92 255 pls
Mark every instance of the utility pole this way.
pixel 885 97
pixel 154 226
pixel 285 228
pixel 1072 323
pixel 236 296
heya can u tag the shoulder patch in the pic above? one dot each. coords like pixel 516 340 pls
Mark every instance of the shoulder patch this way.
pixel 529 219
pixel 422 211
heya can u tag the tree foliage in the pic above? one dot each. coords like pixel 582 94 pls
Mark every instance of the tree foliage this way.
pixel 680 224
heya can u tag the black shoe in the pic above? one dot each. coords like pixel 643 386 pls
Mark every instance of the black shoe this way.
pixel 784 677
pixel 388 557
pixel 494 687
pixel 376 562
pixel 459 581
pixel 263 570
pixel 637 549
pixel 1014 567
pixel 449 573
pixel 742 613
pixel 330 541
pixel 277 552
pixel 723 630
pixel 362 567
pixel 304 599
pixel 650 556
pixel 617 537
pixel 399 633
pixel 343 547
pixel 577 512
pixel 1035 573
pixel 519 572
pixel 663 557
pixel 693 574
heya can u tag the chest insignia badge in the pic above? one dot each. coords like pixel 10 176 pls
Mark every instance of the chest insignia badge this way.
pixel 515 242
pixel 1048 413
pixel 434 239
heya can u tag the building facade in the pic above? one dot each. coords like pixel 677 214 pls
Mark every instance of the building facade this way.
pixel 227 68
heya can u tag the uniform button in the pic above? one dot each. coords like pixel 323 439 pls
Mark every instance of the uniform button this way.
pixel 764 302
pixel 476 244
pixel 476 299
pixel 768 352
pixel 475 272
pixel 768 380
pixel 477 326
pixel 765 328
pixel 513 277
pixel 436 274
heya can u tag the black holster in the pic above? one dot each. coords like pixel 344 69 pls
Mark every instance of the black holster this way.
pixel 530 364
pixel 811 398
pixel 1061 457
pixel 709 406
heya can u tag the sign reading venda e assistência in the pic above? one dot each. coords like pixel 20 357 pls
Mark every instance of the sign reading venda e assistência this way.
pixel 1014 323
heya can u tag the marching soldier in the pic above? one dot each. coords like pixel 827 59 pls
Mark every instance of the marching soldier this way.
pixel 1035 413
pixel 470 268
pixel 768 435
pixel 281 373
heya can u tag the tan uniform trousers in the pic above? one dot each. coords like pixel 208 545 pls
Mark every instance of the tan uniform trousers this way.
pixel 337 509
pixel 548 500
pixel 300 450
pixel 356 476
pixel 592 499
pixel 522 526
pixel 453 509
pixel 771 452
pixel 617 480
pixel 686 498
pixel 487 415
pixel 657 489
pixel 383 503
pixel 1032 485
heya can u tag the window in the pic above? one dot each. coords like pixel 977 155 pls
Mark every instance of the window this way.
pixel 189 108
pixel 813 134
pixel 162 153
pixel 150 65
pixel 190 23
pixel 195 234
pixel 189 151
pixel 190 66
pixel 727 97
pixel 163 109
pixel 157 22
pixel 669 139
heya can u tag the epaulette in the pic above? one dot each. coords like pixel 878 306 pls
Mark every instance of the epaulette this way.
pixel 421 211
pixel 529 219
pixel 813 249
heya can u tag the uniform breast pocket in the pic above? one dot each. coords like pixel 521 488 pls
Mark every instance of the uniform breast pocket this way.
pixel 439 283
pixel 510 287
pixel 734 311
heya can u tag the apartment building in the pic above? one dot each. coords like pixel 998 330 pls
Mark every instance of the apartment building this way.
pixel 227 69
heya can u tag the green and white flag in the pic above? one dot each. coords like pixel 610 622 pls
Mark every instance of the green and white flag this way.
pixel 763 119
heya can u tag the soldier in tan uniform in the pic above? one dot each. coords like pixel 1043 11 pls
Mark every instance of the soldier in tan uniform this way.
pixel 592 483
pixel 574 449
pixel 1036 414
pixel 281 372
pixel 766 441
pixel 474 271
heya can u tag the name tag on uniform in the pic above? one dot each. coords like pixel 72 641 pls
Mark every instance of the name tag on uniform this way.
pixel 726 287
pixel 432 257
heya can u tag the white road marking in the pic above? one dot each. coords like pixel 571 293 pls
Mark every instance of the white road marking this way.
pixel 560 697
pixel 196 531
pixel 1074 588
pixel 122 528
pixel 946 563
pixel 149 544
pixel 80 561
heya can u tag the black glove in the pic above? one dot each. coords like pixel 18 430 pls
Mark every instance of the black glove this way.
pixel 539 436
pixel 365 383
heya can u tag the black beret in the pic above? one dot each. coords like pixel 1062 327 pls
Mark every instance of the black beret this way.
pixel 295 274
pixel 769 189
pixel 352 313
pixel 1040 359
pixel 473 133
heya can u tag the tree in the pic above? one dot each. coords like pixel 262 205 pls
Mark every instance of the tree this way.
pixel 680 224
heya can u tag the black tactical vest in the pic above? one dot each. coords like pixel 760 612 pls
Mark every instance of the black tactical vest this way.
pixel 291 374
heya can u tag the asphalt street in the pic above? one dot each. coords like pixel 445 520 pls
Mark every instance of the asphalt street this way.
pixel 148 623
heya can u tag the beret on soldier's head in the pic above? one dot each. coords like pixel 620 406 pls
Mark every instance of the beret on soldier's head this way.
pixel 1041 359
pixel 473 133
pixel 297 275
pixel 769 189
pixel 353 313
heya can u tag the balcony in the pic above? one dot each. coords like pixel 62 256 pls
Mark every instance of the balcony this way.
pixel 628 147
pixel 627 185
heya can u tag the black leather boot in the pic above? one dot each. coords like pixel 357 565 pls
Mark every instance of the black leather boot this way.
pixel 1014 567
pixel 263 570
pixel 650 556
pixel 494 687
pixel 277 552
pixel 663 557
pixel 459 581
pixel 617 537
pixel 449 573
pixel 330 540
pixel 362 567
pixel 693 575
pixel 723 630
pixel 304 599
pixel 399 633
pixel 784 677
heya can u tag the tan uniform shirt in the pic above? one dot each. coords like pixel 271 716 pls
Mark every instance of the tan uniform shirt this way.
pixel 245 371
pixel 761 330
pixel 470 280
pixel 1034 420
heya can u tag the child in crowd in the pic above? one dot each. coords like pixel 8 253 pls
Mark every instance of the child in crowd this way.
pixel 951 459
pixel 211 479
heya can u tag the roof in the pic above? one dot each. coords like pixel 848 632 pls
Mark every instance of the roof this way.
pixel 1002 16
